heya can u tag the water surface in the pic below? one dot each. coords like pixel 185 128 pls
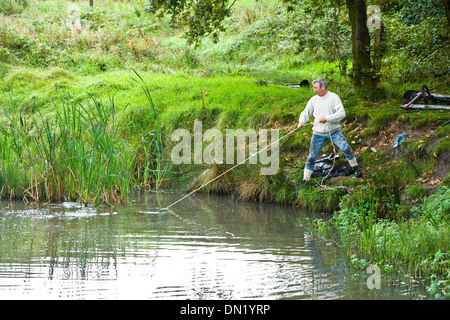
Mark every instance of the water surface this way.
pixel 205 247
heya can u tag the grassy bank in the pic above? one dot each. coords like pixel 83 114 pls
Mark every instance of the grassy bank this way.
pixel 87 115
pixel 417 246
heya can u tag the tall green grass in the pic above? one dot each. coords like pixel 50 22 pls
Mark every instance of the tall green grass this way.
pixel 13 171
pixel 151 143
pixel 75 156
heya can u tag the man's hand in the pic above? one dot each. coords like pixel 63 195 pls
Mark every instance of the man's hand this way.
pixel 322 120
pixel 300 124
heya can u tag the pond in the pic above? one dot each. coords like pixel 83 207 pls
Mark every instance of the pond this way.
pixel 204 247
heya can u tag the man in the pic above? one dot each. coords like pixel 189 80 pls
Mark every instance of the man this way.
pixel 327 109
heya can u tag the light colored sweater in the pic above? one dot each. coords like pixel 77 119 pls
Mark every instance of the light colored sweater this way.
pixel 328 106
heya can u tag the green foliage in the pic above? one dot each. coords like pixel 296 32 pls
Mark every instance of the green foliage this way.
pixel 415 12
pixel 420 245
pixel 152 142
pixel 314 34
pixel 95 18
pixel 416 192
pixel 316 199
pixel 418 41
pixel 439 288
pixel 76 157
pixel 436 208
pixel 201 18
pixel 10 7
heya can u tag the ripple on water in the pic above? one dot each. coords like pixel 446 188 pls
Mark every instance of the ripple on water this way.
pixel 208 249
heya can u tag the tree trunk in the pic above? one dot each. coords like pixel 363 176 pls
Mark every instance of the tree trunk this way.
pixel 91 3
pixel 363 73
pixel 379 49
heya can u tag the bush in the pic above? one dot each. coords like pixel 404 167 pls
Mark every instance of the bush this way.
pixel 419 246
pixel 10 7
pixel 416 192
pixel 436 208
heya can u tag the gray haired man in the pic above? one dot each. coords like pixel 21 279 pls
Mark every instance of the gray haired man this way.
pixel 327 109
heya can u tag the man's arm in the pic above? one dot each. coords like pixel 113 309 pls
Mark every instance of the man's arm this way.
pixel 339 113
pixel 305 115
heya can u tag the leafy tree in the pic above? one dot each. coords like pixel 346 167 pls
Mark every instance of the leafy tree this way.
pixel 418 40
pixel 205 18
pixel 201 18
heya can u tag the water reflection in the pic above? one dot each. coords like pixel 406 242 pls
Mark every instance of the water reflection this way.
pixel 206 247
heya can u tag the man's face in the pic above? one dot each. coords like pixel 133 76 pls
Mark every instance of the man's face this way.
pixel 319 90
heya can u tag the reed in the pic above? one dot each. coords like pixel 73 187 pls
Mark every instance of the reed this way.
pixel 152 157
pixel 11 167
pixel 75 156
